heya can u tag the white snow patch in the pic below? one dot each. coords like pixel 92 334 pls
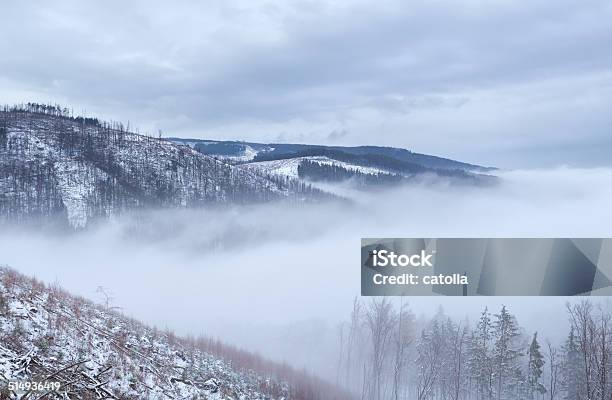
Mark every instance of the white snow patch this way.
pixel 76 188
pixel 289 167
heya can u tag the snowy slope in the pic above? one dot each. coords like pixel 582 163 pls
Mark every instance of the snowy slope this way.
pixel 289 167
pixel 232 152
pixel 246 155
pixel 229 149
pixel 362 166
pixel 96 353
pixel 58 166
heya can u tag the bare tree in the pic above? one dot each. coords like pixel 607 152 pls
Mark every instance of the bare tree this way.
pixel 352 337
pixel 341 355
pixel 429 352
pixel 107 298
pixel 458 345
pixel 403 340
pixel 380 320
pixel 554 365
pixel 593 336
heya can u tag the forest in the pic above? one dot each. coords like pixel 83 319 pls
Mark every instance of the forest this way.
pixel 366 160
pixel 62 169
pixel 386 352
pixel 318 172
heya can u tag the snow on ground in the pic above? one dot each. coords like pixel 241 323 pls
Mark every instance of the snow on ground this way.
pixel 51 162
pixel 96 353
pixel 248 154
pixel 193 144
pixel 77 188
pixel 289 167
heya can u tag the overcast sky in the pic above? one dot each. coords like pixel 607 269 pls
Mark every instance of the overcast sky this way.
pixel 506 83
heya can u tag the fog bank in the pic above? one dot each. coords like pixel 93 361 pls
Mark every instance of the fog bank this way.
pixel 279 279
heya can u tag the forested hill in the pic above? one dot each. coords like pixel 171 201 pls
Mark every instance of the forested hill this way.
pixel 364 167
pixel 257 152
pixel 71 170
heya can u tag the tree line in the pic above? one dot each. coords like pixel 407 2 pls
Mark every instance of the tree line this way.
pixel 319 172
pixel 386 352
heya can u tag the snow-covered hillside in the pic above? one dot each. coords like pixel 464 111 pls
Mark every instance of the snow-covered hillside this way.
pixel 73 170
pixel 289 167
pixel 247 153
pixel 362 166
pixel 232 152
pixel 96 353
pixel 252 151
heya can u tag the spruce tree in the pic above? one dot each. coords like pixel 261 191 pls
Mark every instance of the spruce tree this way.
pixel 3 136
pixel 571 368
pixel 481 362
pixel 535 368
pixel 505 352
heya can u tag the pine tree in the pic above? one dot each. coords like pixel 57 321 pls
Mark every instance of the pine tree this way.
pixel 506 353
pixel 571 368
pixel 481 368
pixel 3 136
pixel 535 368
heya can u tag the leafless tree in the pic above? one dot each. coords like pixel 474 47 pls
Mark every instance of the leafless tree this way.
pixel 554 365
pixel 403 340
pixel 353 334
pixel 107 298
pixel 593 330
pixel 458 345
pixel 428 364
pixel 380 320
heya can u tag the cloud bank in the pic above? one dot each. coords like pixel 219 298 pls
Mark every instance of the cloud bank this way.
pixel 502 83
pixel 288 275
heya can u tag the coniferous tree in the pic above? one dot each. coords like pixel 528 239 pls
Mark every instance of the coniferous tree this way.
pixel 535 368
pixel 481 367
pixel 571 368
pixel 505 353
pixel 3 137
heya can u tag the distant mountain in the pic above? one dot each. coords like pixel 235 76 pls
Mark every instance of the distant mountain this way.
pixel 365 165
pixel 94 352
pixel 71 170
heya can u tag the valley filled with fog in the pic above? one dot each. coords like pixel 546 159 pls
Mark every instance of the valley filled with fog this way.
pixel 184 188
pixel 280 279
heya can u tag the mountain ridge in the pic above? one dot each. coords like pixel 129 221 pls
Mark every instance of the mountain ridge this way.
pixel 361 166
pixel 72 170
pixel 396 152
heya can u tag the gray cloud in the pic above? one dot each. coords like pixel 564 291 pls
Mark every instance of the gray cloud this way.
pixel 481 81
pixel 335 135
